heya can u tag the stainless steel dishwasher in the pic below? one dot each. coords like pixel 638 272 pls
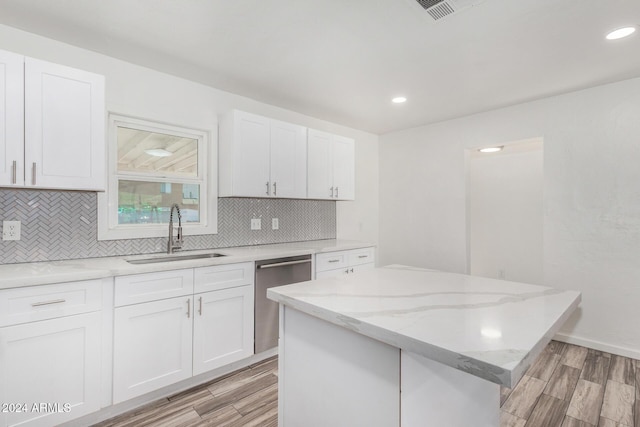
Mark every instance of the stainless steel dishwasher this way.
pixel 270 273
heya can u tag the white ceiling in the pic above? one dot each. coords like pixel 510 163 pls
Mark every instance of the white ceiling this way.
pixel 342 60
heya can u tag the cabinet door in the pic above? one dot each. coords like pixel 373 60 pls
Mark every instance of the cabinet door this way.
pixel 55 363
pixel 64 127
pixel 319 165
pixel 361 267
pixel 332 273
pixel 343 167
pixel 151 346
pixel 288 160
pixel 223 328
pixel 11 119
pixel 251 155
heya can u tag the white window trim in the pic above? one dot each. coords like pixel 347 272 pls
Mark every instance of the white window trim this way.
pixel 108 228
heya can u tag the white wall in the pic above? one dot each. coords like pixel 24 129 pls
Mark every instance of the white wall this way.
pixel 142 92
pixel 505 213
pixel 591 200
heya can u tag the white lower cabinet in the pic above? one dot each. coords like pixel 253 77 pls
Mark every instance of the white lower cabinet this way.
pixel 160 342
pixel 331 264
pixel 152 346
pixel 222 328
pixel 50 369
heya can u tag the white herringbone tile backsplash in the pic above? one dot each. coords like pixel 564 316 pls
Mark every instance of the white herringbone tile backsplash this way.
pixel 59 225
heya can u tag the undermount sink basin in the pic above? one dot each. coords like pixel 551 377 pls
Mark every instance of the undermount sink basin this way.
pixel 173 258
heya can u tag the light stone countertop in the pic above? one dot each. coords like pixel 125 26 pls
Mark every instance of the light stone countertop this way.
pixel 493 329
pixel 40 273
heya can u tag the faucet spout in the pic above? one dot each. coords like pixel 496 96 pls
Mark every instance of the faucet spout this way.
pixel 174 244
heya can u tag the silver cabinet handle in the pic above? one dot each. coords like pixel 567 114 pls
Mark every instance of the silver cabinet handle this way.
pixel 351 270
pixel 275 188
pixel 336 192
pixel 189 308
pixel 200 307
pixel 15 167
pixel 331 191
pixel 334 260
pixel 363 256
pixel 33 174
pixel 54 301
pixel 267 193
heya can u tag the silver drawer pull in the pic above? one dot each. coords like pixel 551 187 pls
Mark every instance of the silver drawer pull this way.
pixel 334 260
pixel 363 256
pixel 15 167
pixel 53 301
pixel 189 308
pixel 33 174
pixel 200 309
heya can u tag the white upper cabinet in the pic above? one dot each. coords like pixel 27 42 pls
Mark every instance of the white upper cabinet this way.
pixel 63 145
pixel 288 160
pixel 331 166
pixel 11 118
pixel 261 157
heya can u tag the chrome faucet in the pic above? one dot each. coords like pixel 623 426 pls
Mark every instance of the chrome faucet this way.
pixel 176 243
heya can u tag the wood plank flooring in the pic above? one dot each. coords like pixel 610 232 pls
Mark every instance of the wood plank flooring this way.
pixel 248 397
pixel 572 386
pixel 568 386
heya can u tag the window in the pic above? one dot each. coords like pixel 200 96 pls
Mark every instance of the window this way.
pixel 152 166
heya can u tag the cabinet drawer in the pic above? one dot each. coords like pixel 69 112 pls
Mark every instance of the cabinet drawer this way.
pixel 223 276
pixel 332 260
pixel 153 286
pixel 361 256
pixel 34 303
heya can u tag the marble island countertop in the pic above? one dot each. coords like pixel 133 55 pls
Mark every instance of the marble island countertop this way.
pixel 493 329
pixel 39 273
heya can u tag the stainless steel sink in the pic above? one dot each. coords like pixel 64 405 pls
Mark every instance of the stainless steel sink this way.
pixel 173 258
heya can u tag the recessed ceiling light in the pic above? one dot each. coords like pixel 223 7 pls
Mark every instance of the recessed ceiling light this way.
pixel 491 149
pixel 491 333
pixel 399 100
pixel 158 152
pixel 621 33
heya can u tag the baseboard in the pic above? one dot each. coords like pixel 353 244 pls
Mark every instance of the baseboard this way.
pixel 597 345
pixel 121 408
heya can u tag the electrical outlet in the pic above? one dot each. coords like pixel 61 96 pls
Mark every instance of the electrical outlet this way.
pixel 10 230
pixel 275 225
pixel 256 224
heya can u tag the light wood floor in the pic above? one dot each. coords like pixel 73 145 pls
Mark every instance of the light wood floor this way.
pixel 568 386
pixel 248 397
pixel 572 386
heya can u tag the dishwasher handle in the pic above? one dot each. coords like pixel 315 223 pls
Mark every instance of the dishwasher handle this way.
pixel 281 264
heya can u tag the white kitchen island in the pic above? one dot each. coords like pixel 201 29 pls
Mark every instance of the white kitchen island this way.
pixel 403 346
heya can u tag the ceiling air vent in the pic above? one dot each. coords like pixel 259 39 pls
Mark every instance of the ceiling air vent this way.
pixel 438 9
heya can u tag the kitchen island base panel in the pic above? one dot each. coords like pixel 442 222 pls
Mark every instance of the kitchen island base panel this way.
pixel 438 395
pixel 331 376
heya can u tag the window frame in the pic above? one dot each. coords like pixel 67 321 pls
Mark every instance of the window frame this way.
pixel 108 227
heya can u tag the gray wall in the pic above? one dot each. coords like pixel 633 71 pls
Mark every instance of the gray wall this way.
pixel 59 225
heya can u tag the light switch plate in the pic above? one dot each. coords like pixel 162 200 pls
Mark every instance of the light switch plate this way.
pixel 10 230
pixel 275 224
pixel 256 224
